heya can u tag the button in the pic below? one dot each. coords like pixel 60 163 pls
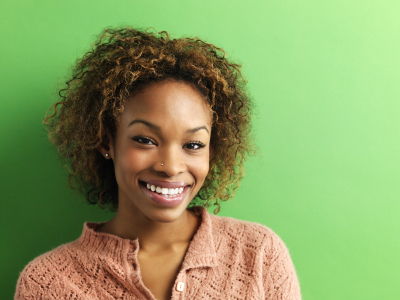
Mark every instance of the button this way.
pixel 180 286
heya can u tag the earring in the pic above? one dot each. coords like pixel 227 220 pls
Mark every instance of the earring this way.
pixel 162 164
pixel 106 154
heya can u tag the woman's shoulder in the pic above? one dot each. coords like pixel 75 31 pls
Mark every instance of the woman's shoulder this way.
pixel 45 270
pixel 47 260
pixel 251 234
pixel 42 270
pixel 228 237
pixel 255 249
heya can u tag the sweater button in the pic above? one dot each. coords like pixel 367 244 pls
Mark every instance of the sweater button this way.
pixel 180 286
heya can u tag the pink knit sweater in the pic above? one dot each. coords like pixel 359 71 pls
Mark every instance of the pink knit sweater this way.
pixel 226 259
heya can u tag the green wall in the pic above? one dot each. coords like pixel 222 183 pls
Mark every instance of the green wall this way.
pixel 325 77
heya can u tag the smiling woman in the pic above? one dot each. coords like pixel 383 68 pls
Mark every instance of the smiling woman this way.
pixel 157 129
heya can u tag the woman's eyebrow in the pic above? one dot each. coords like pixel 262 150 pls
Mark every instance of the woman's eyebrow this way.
pixel 196 129
pixel 158 128
pixel 151 125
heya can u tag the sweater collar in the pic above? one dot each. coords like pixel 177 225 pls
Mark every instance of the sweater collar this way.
pixel 201 251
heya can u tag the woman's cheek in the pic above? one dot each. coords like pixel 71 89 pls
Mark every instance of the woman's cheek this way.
pixel 135 157
pixel 129 164
pixel 200 169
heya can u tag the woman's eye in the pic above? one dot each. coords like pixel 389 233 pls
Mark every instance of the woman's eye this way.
pixel 195 145
pixel 142 140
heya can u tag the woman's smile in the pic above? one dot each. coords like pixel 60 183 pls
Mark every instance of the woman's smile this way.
pixel 165 196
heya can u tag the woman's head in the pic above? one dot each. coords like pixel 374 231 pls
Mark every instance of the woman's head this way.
pixel 125 64
pixel 161 149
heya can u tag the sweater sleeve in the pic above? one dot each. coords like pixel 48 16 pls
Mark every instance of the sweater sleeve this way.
pixel 279 275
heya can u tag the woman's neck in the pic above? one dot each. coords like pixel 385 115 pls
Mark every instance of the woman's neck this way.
pixel 153 236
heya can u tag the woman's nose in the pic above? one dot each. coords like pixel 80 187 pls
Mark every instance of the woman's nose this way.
pixel 170 161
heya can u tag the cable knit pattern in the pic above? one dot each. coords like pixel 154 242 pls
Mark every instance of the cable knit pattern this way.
pixel 226 259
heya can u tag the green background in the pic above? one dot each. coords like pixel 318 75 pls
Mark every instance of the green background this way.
pixel 325 77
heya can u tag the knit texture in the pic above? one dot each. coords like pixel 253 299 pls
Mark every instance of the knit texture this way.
pixel 226 259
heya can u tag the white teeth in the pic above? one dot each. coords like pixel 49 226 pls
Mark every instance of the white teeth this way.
pixel 165 191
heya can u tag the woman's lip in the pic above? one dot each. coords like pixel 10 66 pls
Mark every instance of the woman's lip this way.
pixel 165 201
pixel 166 184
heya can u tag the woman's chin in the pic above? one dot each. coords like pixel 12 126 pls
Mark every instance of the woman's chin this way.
pixel 166 215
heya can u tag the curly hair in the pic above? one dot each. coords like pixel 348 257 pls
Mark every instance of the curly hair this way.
pixel 124 60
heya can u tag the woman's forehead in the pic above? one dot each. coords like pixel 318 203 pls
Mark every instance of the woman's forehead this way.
pixel 168 102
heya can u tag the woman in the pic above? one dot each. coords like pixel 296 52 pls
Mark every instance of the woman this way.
pixel 157 129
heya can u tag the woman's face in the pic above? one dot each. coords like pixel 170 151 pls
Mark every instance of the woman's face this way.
pixel 162 140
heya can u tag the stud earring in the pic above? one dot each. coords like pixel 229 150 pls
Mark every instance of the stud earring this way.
pixel 162 164
pixel 106 154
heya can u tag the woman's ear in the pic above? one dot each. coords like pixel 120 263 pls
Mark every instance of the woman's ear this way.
pixel 105 147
